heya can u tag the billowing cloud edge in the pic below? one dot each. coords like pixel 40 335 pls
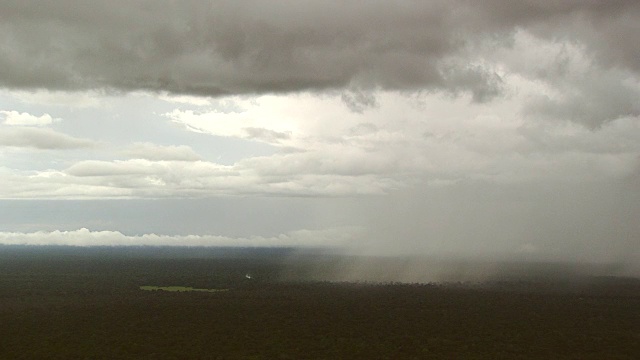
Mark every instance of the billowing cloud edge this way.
pixel 84 237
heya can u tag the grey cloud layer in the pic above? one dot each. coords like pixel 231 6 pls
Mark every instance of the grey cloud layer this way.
pixel 225 47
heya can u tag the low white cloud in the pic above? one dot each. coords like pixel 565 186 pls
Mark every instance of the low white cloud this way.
pixel 323 149
pixel 139 178
pixel 155 152
pixel 43 139
pixel 337 237
pixel 16 118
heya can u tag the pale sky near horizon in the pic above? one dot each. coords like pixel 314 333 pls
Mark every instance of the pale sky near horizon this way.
pixel 492 128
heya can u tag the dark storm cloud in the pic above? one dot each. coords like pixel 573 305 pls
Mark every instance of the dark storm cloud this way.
pixel 230 47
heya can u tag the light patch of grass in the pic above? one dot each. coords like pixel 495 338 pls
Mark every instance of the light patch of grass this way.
pixel 178 289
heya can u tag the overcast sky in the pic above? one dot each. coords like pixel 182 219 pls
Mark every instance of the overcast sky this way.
pixel 496 127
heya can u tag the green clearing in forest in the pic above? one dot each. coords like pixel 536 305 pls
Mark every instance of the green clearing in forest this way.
pixel 178 289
